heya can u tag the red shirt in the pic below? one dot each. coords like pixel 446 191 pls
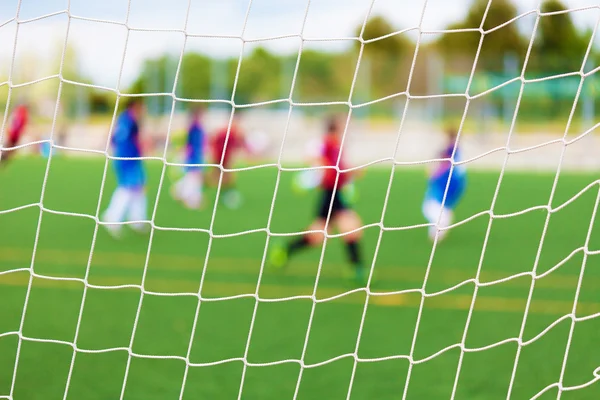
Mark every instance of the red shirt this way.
pixel 19 120
pixel 329 155
pixel 220 150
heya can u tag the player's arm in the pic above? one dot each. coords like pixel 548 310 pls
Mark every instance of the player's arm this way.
pixel 241 144
pixel 17 122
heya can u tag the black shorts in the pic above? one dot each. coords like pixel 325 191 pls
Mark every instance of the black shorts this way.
pixel 10 142
pixel 338 203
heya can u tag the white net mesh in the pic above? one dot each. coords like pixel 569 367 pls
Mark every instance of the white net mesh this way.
pixel 379 225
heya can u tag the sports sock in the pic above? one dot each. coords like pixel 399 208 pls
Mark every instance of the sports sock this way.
pixel 231 198
pixel 297 245
pixel 354 253
pixel 191 189
pixel 119 204
pixel 138 208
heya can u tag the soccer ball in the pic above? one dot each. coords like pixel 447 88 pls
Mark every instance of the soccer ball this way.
pixel 307 180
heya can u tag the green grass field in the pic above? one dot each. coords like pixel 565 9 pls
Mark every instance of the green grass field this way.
pixel 176 262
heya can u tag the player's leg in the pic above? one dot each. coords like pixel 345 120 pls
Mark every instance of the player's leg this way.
pixel 191 189
pixel 230 196
pixel 440 217
pixel 348 223
pixel 177 188
pixel 117 209
pixel 7 154
pixel 281 253
pixel 138 209
pixel 212 177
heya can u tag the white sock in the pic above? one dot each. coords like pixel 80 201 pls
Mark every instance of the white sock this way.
pixel 119 203
pixel 431 211
pixel 138 209
pixel 192 189
pixel 178 188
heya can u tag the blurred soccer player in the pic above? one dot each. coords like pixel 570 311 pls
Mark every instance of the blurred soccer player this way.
pixel 342 216
pixel 128 201
pixel 188 189
pixel 19 120
pixel 436 187
pixel 225 143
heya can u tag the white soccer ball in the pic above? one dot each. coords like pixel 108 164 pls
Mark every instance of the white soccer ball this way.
pixel 307 180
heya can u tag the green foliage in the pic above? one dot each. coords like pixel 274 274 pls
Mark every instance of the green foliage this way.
pixel 317 76
pixel 194 77
pixel 496 44
pixel 559 47
pixel 386 56
pixel 390 47
pixel 259 77
pixel 327 76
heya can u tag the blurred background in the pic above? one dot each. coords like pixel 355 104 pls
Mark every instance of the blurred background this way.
pixel 78 329
pixel 250 55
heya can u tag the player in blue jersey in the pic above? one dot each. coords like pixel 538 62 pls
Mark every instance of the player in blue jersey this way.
pixel 188 189
pixel 128 201
pixel 436 187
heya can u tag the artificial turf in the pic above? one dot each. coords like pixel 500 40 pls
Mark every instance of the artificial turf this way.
pixel 266 343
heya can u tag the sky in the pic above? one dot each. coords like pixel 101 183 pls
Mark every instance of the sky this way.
pixel 100 46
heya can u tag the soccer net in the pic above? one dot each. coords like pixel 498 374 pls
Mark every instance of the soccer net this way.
pixel 18 361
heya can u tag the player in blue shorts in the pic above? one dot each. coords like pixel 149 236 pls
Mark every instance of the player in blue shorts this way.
pixel 128 201
pixel 439 179
pixel 188 189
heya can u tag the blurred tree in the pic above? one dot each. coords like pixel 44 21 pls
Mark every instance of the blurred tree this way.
pixel 316 77
pixel 158 76
pixel 496 45
pixel 558 47
pixel 194 77
pixel 259 77
pixel 74 99
pixel 391 47
pixel 386 66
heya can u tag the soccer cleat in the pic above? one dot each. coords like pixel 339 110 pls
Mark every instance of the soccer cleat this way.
pixel 114 231
pixel 193 203
pixel 278 257
pixel 174 193
pixel 441 235
pixel 140 228
pixel 232 199
pixel 357 275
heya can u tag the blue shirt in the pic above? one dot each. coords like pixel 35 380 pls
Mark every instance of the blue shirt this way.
pixel 195 145
pixel 125 142
pixel 125 138
pixel 439 180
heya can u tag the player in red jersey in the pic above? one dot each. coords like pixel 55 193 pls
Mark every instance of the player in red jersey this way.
pixel 342 217
pixel 18 122
pixel 224 145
